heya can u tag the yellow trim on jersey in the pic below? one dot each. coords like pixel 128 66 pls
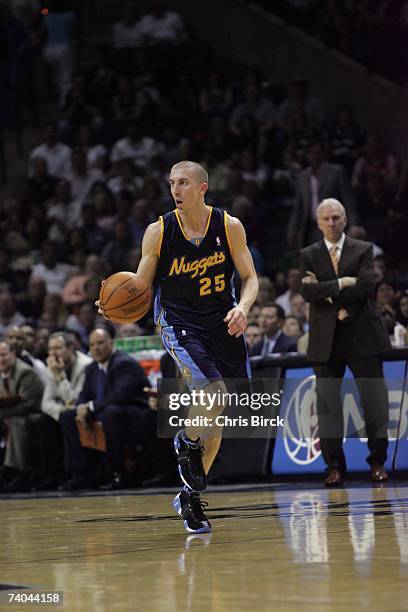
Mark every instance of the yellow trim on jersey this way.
pixel 172 351
pixel 161 237
pixel 226 216
pixel 181 227
pixel 208 222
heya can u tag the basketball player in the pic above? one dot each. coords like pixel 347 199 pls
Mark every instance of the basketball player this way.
pixel 191 253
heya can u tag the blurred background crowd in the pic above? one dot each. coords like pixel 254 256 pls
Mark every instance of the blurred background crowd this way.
pixel 102 119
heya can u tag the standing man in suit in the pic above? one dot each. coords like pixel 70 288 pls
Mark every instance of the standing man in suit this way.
pixel 338 280
pixel 113 393
pixel 22 388
pixel 318 181
pixel 274 340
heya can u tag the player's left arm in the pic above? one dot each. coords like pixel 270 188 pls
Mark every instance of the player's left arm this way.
pixel 242 258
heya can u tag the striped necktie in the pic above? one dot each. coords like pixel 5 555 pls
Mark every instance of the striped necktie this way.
pixel 342 313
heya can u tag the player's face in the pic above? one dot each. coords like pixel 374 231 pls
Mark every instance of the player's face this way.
pixel 331 222
pixel 187 192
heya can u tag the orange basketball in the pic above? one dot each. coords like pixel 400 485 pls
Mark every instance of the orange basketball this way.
pixel 125 297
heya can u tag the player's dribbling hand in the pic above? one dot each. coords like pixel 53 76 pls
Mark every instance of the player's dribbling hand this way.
pixel 237 321
pixel 98 305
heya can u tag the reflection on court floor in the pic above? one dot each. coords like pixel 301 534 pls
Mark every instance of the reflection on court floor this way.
pixel 286 548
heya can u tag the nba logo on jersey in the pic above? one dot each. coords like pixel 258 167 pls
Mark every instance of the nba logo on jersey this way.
pixel 218 241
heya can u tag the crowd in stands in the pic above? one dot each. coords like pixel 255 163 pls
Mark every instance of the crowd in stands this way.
pixel 372 32
pixel 99 175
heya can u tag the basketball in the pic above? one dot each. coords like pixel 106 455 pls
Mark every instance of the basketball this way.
pixel 125 297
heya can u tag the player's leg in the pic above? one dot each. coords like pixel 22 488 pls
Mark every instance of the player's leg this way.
pixel 197 446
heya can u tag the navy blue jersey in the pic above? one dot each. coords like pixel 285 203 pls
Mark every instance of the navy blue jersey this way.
pixel 194 280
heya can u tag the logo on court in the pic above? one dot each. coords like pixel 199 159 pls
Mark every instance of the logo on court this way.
pixel 301 432
pixel 187 375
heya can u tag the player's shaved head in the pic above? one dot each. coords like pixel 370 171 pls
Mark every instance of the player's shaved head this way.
pixel 200 174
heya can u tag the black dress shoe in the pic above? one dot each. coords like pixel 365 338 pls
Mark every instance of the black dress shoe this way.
pixel 334 478
pixel 47 484
pixel 378 473
pixel 74 483
pixel 116 482
pixel 19 484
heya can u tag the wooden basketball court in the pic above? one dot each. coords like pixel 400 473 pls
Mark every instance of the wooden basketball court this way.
pixel 282 547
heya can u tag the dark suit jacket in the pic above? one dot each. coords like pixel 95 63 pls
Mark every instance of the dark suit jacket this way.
pixel 284 344
pixel 365 323
pixel 25 382
pixel 124 383
pixel 333 183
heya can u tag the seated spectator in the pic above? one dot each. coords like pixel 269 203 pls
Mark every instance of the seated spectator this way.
pixel 126 32
pixel 346 139
pixel 101 198
pixel 285 176
pixel 40 349
pixel 274 340
pixel 81 178
pixel 252 169
pixel 96 154
pixel 256 106
pixel 129 330
pixel 55 308
pixel 299 309
pixel 125 179
pixel 115 251
pixel 15 337
pixel 299 132
pixel 300 100
pixel 375 164
pixel 66 375
pixel 61 211
pixel 162 26
pixel 81 107
pixel 54 273
pixel 113 393
pixel 402 309
pixel 266 291
pixel 215 98
pixel 135 146
pixel 385 298
pixel 92 288
pixel 56 154
pixel 253 315
pixel 293 327
pixel 41 185
pixel 95 236
pixel 292 282
pixel 28 338
pixel 74 289
pixel 85 322
pixel 9 315
pixel 17 380
pixel 359 233
pixel 21 259
pixel 133 103
pixel 252 336
pixel 7 276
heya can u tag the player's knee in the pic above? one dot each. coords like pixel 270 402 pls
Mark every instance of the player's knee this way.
pixel 216 393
